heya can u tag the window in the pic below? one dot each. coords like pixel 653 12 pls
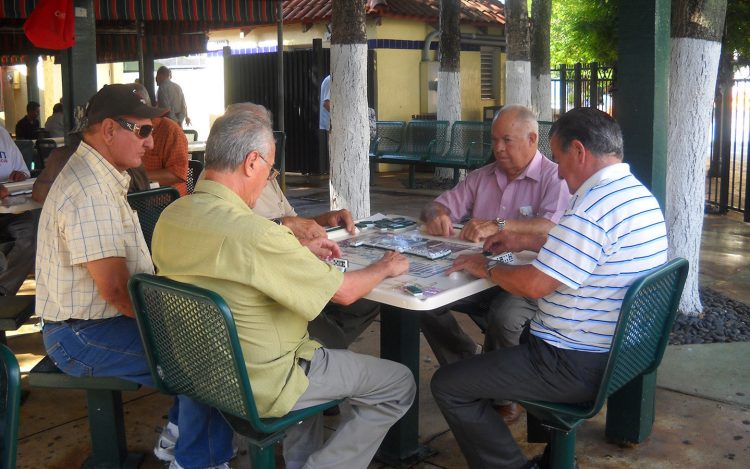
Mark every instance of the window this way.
pixel 488 72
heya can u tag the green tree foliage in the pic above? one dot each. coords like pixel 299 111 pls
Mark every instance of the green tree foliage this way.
pixel 583 31
pixel 586 31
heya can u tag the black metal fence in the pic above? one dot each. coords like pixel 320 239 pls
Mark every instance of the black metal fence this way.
pixel 727 164
pixel 582 85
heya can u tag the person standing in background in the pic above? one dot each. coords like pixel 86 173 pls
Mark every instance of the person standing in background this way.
pixel 170 96
pixel 325 121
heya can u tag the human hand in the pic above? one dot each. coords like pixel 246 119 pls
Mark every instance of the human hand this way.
pixel 304 228
pixel 341 217
pixel 322 247
pixel 395 263
pixel 477 229
pixel 3 192
pixel 16 176
pixel 441 225
pixel 475 264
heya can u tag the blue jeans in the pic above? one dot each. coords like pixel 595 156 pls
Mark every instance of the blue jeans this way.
pixel 112 347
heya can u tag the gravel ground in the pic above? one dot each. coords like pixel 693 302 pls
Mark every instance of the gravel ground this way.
pixel 723 320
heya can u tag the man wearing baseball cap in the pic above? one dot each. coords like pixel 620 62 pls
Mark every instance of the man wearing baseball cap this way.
pixel 89 244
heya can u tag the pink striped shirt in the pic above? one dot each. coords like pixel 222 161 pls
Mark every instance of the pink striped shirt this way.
pixel 487 194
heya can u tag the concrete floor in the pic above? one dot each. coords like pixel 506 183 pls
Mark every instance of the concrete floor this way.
pixel 703 399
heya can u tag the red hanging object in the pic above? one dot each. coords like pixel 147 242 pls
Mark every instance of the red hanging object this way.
pixel 51 25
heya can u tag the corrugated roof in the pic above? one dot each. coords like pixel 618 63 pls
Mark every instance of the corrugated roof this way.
pixel 472 11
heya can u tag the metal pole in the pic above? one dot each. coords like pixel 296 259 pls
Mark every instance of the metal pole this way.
pixel 280 86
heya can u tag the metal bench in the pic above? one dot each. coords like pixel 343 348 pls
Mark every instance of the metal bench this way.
pixel 470 147
pixel 421 140
pixel 629 381
pixel 106 420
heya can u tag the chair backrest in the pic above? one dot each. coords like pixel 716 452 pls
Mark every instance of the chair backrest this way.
pixel 195 168
pixel 44 147
pixel 191 344
pixel 646 319
pixel 388 136
pixel 149 205
pixel 10 403
pixel 28 152
pixel 469 142
pixel 191 135
pixel 423 137
pixel 543 144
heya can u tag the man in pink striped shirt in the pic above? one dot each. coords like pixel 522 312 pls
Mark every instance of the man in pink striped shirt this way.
pixel 519 194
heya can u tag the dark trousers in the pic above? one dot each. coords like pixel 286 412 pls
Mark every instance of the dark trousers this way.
pixel 323 159
pixel 17 250
pixel 534 370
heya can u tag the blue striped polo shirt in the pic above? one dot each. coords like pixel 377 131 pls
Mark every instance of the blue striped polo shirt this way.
pixel 612 233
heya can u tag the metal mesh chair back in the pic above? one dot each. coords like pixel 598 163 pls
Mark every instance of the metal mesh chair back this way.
pixel 149 205
pixel 191 344
pixel 191 135
pixel 543 144
pixel 195 168
pixel 389 135
pixel 10 403
pixel 425 137
pixel 27 151
pixel 469 142
pixel 646 319
pixel 44 147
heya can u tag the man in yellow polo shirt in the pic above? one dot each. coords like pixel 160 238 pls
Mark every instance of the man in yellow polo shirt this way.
pixel 274 286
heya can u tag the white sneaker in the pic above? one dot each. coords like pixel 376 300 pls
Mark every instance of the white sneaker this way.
pixel 174 465
pixel 164 449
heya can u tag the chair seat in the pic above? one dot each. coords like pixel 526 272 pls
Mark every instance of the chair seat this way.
pixel 395 158
pixel 561 416
pixel 275 425
pixel 15 310
pixel 47 375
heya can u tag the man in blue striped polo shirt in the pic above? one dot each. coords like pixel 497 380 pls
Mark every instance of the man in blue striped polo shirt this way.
pixel 612 233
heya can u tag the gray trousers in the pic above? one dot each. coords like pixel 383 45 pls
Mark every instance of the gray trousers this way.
pixel 534 370
pixel 377 393
pixel 506 317
pixel 17 250
pixel 338 326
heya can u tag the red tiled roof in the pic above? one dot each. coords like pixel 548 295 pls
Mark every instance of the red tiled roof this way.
pixel 472 11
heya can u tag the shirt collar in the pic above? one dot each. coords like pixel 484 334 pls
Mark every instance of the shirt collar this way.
pixel 104 168
pixel 221 191
pixel 613 171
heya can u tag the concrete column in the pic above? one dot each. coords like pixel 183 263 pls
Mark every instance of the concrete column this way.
pixel 32 78
pixel 79 62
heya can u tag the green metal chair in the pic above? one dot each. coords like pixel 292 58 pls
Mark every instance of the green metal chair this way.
pixel 543 144
pixel 149 205
pixel 192 348
pixel 642 332
pixel 195 168
pixel 10 403
pixel 467 147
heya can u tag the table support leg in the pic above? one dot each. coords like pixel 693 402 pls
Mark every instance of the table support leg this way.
pixel 399 341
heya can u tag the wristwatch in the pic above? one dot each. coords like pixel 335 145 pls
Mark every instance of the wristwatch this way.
pixel 278 221
pixel 500 222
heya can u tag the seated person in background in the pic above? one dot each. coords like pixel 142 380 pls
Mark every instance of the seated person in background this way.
pixel 612 233
pixel 17 231
pixel 167 162
pixel 274 286
pixel 337 325
pixel 519 193
pixel 28 125
pixel 55 124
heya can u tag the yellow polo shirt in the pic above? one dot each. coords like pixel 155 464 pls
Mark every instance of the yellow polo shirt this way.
pixel 273 285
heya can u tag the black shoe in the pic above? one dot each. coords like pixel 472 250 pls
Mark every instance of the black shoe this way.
pixel 332 411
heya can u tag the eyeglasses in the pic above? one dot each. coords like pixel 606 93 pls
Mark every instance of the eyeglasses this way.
pixel 141 131
pixel 274 172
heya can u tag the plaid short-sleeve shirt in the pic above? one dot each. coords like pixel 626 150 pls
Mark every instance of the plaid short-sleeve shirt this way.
pixel 86 217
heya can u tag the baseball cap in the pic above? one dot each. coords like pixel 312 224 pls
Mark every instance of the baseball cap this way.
pixel 119 100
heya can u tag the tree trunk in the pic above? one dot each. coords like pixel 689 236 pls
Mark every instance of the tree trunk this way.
pixel 541 93
pixel 449 81
pixel 349 136
pixel 517 65
pixel 697 27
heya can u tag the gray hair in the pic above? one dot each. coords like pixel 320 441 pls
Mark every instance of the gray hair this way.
pixel 233 136
pixel 520 113
pixel 596 130
pixel 261 111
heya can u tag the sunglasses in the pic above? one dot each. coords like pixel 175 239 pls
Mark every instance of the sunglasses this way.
pixel 141 131
pixel 274 172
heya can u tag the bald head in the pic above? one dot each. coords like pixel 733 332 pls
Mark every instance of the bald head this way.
pixel 515 134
